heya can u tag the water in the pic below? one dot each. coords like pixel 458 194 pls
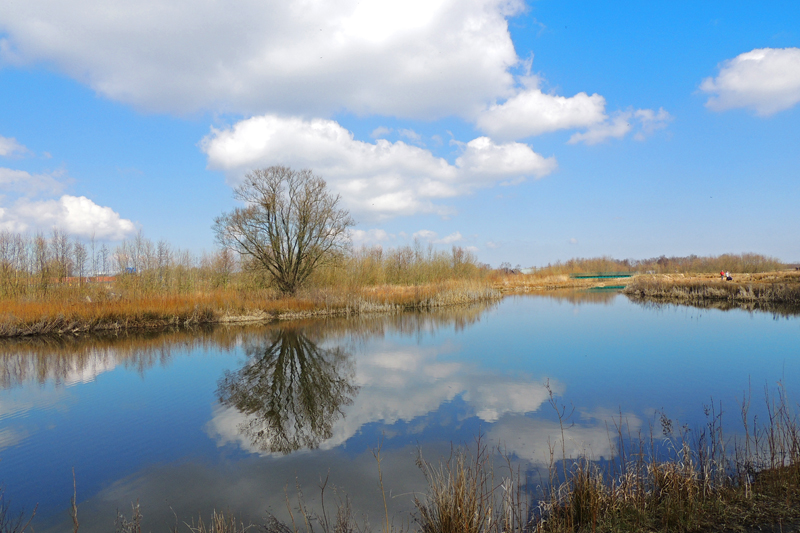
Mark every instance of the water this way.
pixel 237 418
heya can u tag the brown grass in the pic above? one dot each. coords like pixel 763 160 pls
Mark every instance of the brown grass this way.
pixel 700 481
pixel 775 291
pixel 74 315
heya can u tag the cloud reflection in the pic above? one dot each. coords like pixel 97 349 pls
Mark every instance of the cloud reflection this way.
pixel 394 383
pixel 594 436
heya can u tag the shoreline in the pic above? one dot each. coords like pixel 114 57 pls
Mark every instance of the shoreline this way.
pixel 770 291
pixel 777 292
pixel 79 318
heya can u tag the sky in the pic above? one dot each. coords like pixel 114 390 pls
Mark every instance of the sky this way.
pixel 527 132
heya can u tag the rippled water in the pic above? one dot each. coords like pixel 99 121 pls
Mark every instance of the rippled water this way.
pixel 236 418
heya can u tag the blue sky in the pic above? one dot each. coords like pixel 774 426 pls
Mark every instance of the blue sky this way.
pixel 528 132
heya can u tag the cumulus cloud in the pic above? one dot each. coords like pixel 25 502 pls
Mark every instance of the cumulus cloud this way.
pixel 405 58
pixel 12 180
pixel 377 179
pixel 433 237
pixel 651 121
pixel 425 234
pixel 10 147
pixel 532 112
pixel 411 135
pixel 361 237
pixel 643 121
pixel 31 202
pixel 766 80
pixel 380 131
pixel 450 239
pixel 76 215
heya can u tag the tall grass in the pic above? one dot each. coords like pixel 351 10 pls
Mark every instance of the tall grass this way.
pixel 783 290
pixel 686 480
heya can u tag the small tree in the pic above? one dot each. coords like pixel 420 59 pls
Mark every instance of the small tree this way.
pixel 80 253
pixel 290 224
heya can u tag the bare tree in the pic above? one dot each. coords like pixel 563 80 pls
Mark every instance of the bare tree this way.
pixel 80 253
pixel 104 259
pixel 62 253
pixel 290 224
pixel 93 244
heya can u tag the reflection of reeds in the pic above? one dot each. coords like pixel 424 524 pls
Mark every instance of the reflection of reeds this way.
pixel 13 522
pixel 58 359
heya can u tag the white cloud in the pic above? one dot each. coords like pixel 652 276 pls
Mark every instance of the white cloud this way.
pixel 483 157
pixel 432 236
pixel 411 135
pixel 362 237
pixel 532 112
pixel 450 239
pixel 377 179
pixel 573 240
pixel 651 121
pixel 76 215
pixel 493 245
pixel 614 128
pixel 10 147
pixel 766 80
pixel 646 121
pixel 31 184
pixel 410 58
pixel 380 132
pixel 425 235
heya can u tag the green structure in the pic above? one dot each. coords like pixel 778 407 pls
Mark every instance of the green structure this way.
pixel 602 275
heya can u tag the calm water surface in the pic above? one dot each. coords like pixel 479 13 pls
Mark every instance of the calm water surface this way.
pixel 237 418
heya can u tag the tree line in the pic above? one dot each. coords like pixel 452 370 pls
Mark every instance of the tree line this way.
pixel 42 265
pixel 57 264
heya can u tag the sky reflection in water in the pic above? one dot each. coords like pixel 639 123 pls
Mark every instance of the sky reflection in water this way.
pixel 229 418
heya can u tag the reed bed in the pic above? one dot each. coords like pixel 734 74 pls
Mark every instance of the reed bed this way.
pixel 76 316
pixel 757 291
pixel 59 285
pixel 692 481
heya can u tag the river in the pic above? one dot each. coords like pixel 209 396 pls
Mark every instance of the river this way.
pixel 237 418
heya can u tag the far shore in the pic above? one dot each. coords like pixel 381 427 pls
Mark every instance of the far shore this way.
pixel 767 291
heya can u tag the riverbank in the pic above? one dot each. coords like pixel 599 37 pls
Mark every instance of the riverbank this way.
pixel 103 310
pixel 107 312
pixel 770 291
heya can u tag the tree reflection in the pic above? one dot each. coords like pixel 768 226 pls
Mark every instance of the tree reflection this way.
pixel 290 390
